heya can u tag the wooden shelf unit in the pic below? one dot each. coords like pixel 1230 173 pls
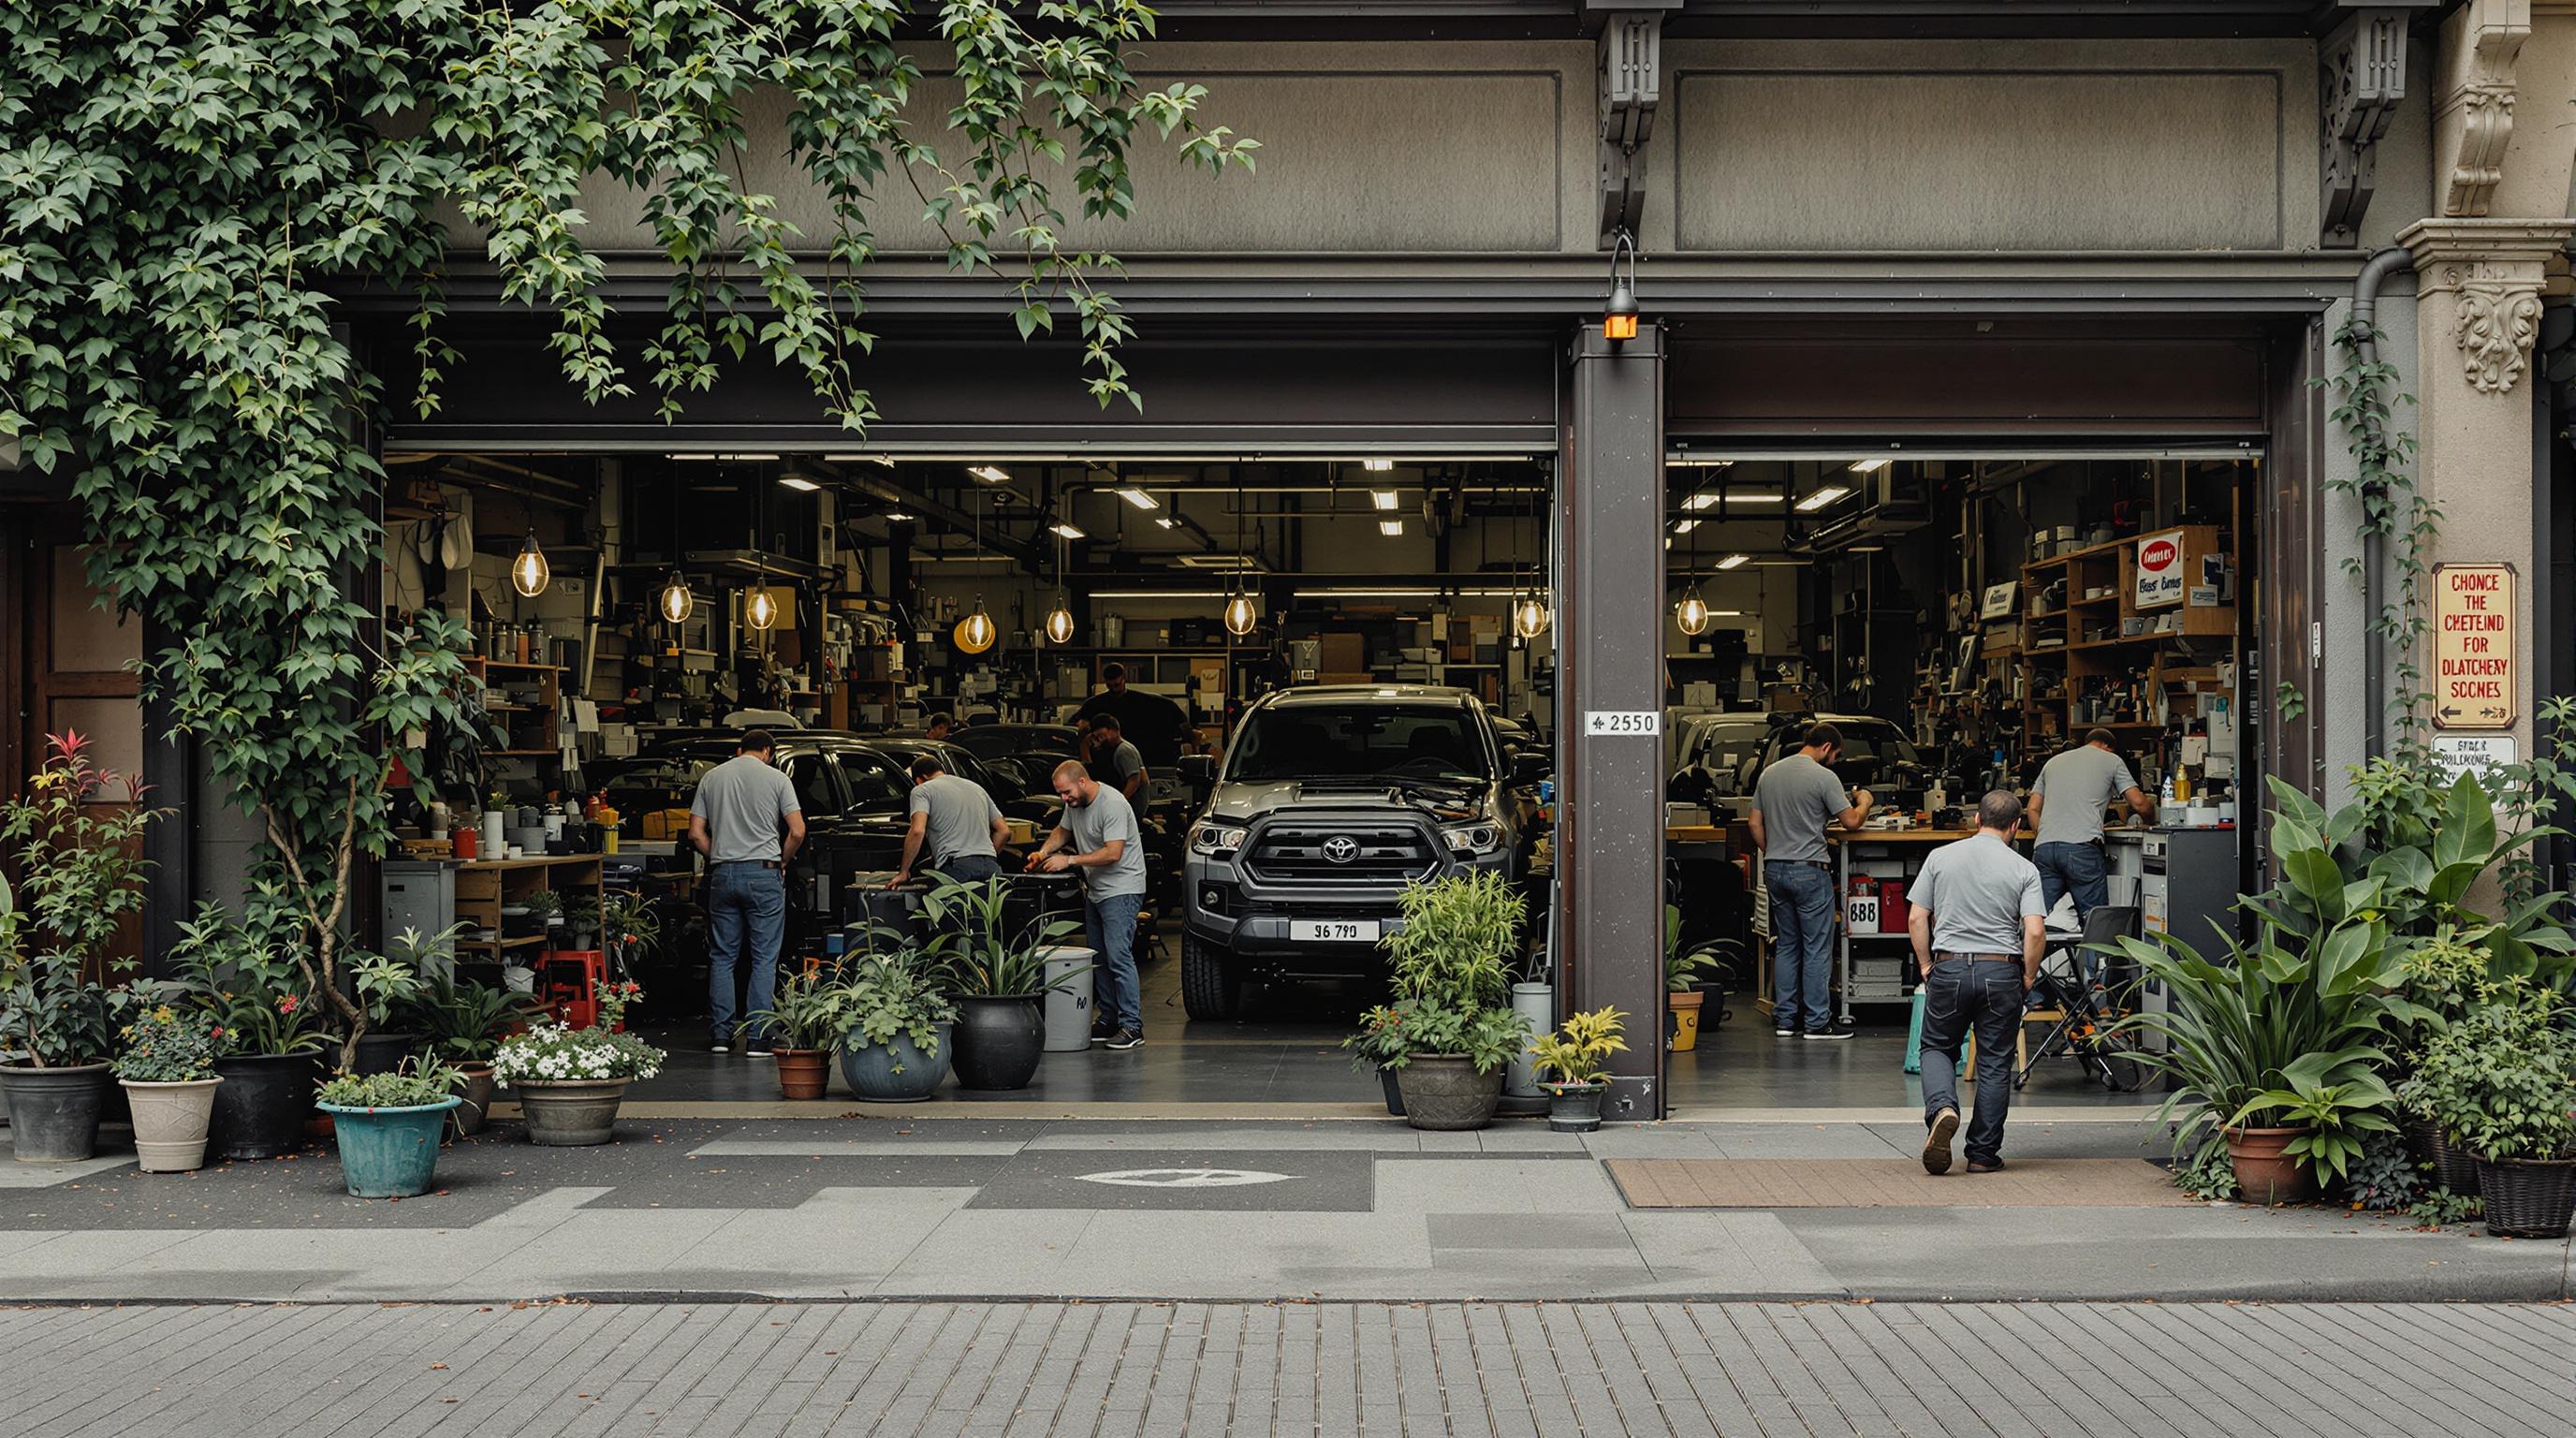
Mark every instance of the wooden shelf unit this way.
pixel 533 728
pixel 2060 668
pixel 485 886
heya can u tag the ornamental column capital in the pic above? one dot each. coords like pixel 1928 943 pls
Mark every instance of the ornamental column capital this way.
pixel 2492 271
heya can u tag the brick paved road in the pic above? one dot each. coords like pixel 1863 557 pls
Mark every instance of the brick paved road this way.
pixel 1330 1370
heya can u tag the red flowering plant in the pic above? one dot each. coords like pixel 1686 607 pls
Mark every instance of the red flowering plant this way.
pixel 77 837
pixel 242 973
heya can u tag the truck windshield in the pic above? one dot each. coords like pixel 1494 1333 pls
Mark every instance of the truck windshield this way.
pixel 1315 741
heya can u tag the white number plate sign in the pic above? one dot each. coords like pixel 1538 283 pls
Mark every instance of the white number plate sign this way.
pixel 1647 722
pixel 1333 931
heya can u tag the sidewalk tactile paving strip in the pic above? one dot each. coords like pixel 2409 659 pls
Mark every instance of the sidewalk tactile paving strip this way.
pixel 1890 1183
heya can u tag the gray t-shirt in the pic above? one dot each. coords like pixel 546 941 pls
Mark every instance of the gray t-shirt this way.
pixel 1798 798
pixel 2078 785
pixel 961 818
pixel 1979 890
pixel 1108 816
pixel 1121 765
pixel 745 803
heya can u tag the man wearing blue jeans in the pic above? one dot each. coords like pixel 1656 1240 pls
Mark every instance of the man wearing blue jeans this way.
pixel 1976 918
pixel 1793 802
pixel 748 823
pixel 2066 807
pixel 1098 838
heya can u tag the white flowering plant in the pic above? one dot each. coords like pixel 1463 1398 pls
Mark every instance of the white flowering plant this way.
pixel 559 1053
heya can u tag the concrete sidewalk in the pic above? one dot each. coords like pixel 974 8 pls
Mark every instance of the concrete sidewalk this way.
pixel 1349 1370
pixel 1255 1211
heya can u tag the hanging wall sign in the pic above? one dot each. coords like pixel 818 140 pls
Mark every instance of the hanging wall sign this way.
pixel 2160 578
pixel 2475 682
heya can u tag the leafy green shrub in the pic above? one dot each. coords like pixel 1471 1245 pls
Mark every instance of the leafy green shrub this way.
pixel 415 1085
pixel 1453 977
pixel 466 1021
pixel 2336 1097
pixel 898 993
pixel 1579 1052
pixel 169 1045
pixel 2502 1080
pixel 806 1011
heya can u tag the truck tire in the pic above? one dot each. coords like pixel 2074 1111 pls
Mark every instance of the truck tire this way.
pixel 1210 988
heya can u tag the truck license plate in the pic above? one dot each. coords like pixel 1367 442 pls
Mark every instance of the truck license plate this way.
pixel 1333 931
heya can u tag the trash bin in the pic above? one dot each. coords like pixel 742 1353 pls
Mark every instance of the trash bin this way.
pixel 1068 1000
pixel 1536 1004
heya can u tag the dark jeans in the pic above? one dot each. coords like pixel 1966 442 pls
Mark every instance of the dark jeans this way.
pixel 969 868
pixel 2075 867
pixel 1960 994
pixel 1109 924
pixel 746 919
pixel 1802 945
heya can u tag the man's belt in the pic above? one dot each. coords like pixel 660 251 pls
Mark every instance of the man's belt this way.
pixel 730 863
pixel 2013 959
pixel 1808 863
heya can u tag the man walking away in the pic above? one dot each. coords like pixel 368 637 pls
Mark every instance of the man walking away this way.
pixel 1108 754
pixel 1976 921
pixel 2066 804
pixel 956 822
pixel 1097 835
pixel 747 822
pixel 1793 801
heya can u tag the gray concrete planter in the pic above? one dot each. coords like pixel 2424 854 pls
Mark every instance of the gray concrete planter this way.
pixel 1444 1091
pixel 570 1113
pixel 54 1112
pixel 170 1123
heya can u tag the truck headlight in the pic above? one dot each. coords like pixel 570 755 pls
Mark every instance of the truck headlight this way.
pixel 1216 839
pixel 1473 838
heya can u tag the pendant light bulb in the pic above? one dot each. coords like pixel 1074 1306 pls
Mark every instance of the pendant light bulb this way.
pixel 975 631
pixel 759 610
pixel 1059 620
pixel 529 571
pixel 1529 617
pixel 676 603
pixel 1241 614
pixel 1692 613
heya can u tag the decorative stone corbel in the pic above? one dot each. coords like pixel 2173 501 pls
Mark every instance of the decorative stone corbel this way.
pixel 2476 117
pixel 2492 272
pixel 1630 87
pixel 2361 78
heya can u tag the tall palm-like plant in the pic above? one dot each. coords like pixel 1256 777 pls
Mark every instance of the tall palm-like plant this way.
pixel 985 954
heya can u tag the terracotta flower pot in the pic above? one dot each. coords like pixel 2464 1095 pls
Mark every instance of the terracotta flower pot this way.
pixel 2265 1172
pixel 170 1122
pixel 570 1113
pixel 803 1072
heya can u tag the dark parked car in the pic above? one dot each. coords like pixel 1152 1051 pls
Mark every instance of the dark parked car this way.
pixel 1009 794
pixel 1723 755
pixel 1025 752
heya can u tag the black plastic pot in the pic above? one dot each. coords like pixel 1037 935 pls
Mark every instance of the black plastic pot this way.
pixel 1394 1092
pixel 999 1041
pixel 261 1105
pixel 1574 1107
pixel 384 1053
pixel 54 1112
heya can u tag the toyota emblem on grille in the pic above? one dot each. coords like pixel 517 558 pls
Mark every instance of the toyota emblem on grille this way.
pixel 1341 848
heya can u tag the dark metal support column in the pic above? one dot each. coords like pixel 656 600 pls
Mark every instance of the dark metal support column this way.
pixel 1610 588
pixel 170 843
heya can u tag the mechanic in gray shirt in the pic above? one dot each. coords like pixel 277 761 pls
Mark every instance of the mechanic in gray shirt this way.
pixel 1099 839
pixel 2066 804
pixel 955 822
pixel 746 819
pixel 1793 801
pixel 1112 759
pixel 1975 917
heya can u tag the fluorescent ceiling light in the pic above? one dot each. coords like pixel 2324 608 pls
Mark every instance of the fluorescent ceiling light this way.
pixel 1822 497
pixel 989 473
pixel 1735 561
pixel 1136 497
pixel 1066 531
pixel 1331 593
pixel 967 559
pixel 1377 466
pixel 1684 526
pixel 1384 498
pixel 884 459
pixel 1683 461
pixel 1869 466
pixel 799 483
pixel 1158 594
pixel 898 516
pixel 1242 562
pixel 702 458
pixel 1165 521
pixel 1390 527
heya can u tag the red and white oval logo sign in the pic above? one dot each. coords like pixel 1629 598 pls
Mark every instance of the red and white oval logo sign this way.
pixel 2159 554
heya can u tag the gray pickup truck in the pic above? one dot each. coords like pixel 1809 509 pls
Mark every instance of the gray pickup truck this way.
pixel 1331 800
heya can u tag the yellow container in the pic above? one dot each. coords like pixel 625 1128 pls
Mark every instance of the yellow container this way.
pixel 1685 1007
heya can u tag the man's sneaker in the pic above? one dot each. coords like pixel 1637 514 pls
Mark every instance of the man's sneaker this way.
pixel 758 1054
pixel 1936 1146
pixel 719 1048
pixel 1125 1039
pixel 1102 1033
pixel 1784 1033
pixel 1985 1165
pixel 1829 1033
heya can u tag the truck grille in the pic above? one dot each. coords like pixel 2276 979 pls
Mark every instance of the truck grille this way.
pixel 1324 852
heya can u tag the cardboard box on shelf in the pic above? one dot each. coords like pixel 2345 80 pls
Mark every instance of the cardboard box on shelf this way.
pixel 1345 653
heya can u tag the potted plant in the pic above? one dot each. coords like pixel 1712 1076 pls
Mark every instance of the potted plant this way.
pixel 803 1021
pixel 81 875
pixel 2325 1102
pixel 545 910
pixel 388 1126
pixel 271 1053
pixel 2501 1082
pixel 1682 974
pixel 2443 978
pixel 998 974
pixel 581 922
pixel 391 988
pixel 1380 1047
pixel 628 929
pixel 1452 960
pixel 464 1024
pixel 897 1022
pixel 168 1072
pixel 1579 1054
pixel 570 1081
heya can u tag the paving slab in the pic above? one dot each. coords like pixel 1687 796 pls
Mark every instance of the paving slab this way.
pixel 1493 1185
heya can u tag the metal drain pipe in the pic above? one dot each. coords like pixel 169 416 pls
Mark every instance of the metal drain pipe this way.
pixel 2395 259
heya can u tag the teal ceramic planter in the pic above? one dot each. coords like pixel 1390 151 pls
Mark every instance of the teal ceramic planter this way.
pixel 388 1152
